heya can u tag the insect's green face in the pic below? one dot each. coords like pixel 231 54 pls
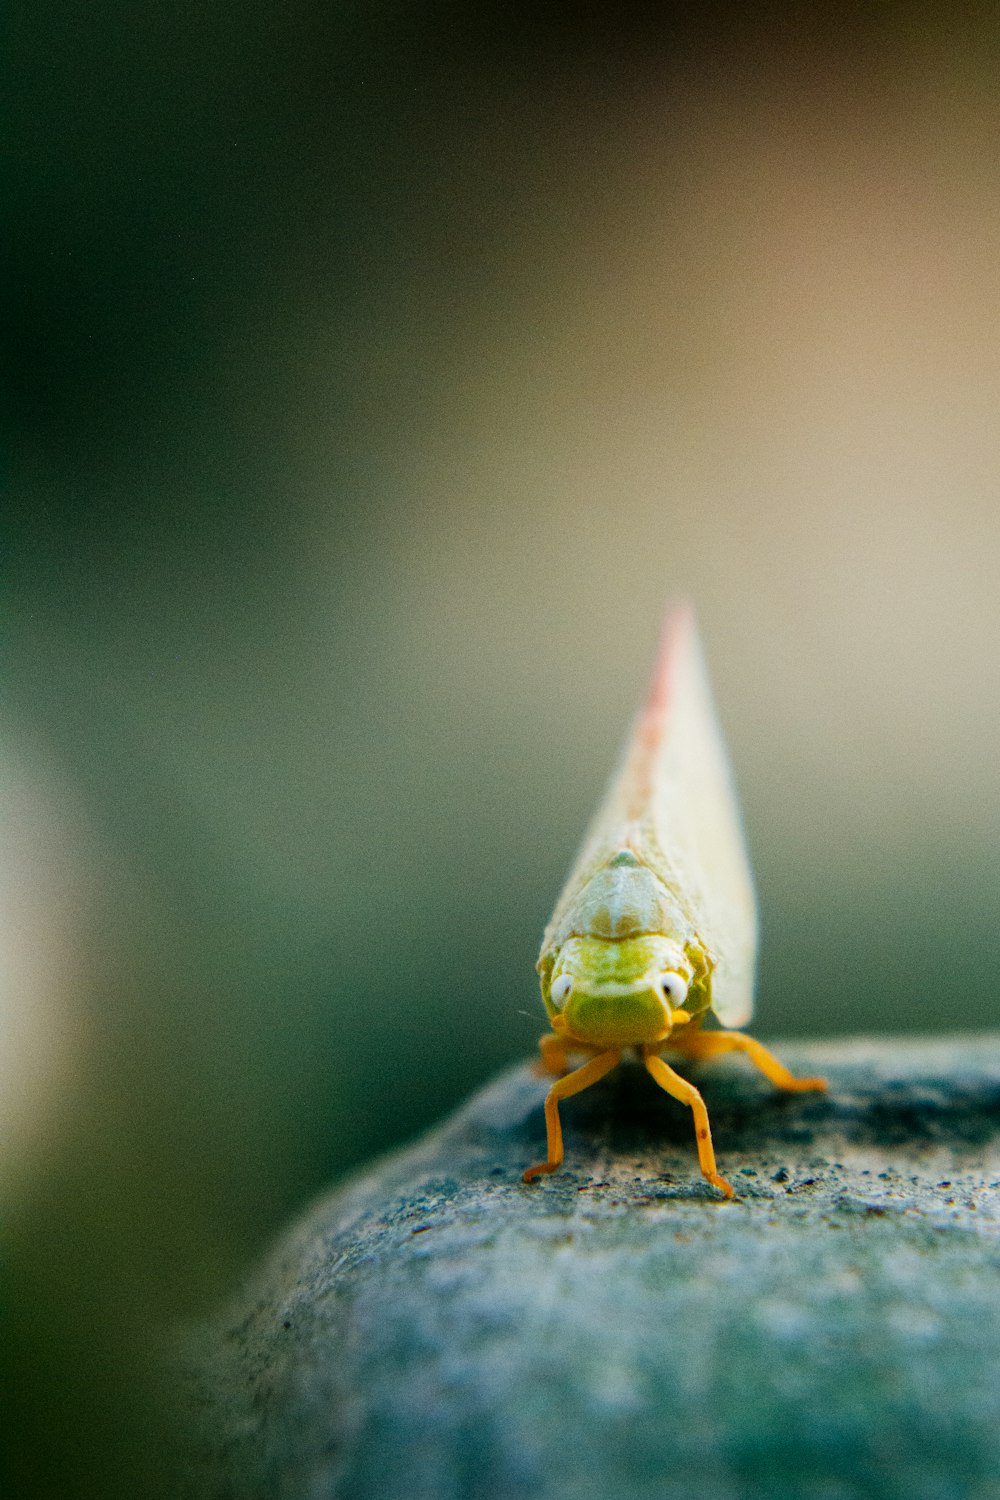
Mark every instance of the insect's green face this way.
pixel 617 994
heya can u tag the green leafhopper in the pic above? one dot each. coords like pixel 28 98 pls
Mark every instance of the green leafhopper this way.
pixel 656 927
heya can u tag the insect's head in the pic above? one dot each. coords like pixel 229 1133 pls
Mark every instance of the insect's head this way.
pixel 618 993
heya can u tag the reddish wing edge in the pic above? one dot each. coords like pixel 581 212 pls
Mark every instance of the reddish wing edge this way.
pixel 654 716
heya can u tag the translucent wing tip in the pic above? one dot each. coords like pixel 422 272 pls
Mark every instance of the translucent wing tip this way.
pixel 677 633
pixel 678 641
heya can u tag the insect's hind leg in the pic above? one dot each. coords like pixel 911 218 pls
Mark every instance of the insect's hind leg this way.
pixel 553 1058
pixel 573 1083
pixel 686 1092
pixel 555 1050
pixel 712 1043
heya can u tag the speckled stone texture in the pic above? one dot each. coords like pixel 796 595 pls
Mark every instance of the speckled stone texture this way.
pixel 437 1330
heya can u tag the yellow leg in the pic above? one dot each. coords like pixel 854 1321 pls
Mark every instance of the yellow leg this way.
pixel 689 1095
pixel 573 1083
pixel 712 1043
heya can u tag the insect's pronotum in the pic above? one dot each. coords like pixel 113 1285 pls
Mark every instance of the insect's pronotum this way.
pixel 656 926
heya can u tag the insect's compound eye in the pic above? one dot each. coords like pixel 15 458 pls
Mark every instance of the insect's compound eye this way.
pixel 561 990
pixel 674 988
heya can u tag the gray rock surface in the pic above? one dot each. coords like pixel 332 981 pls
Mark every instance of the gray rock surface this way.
pixel 437 1330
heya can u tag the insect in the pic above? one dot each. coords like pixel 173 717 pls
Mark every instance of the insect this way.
pixel 656 926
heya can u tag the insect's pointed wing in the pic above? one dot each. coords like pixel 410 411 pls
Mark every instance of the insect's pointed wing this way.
pixel 688 811
pixel 673 803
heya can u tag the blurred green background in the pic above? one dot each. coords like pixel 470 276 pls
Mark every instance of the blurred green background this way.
pixel 373 376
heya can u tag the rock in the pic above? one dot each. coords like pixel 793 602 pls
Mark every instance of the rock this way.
pixel 438 1330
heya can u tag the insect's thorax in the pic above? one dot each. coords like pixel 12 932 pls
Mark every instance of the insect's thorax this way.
pixel 623 898
pixel 623 901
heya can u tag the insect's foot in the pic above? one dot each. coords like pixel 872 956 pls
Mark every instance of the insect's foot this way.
pixel 725 1188
pixel 808 1085
pixel 543 1167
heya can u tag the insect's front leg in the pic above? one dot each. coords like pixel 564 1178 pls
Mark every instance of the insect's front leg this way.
pixel 563 1088
pixel 679 1088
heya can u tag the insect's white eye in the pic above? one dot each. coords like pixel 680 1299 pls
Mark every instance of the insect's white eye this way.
pixel 674 988
pixel 561 989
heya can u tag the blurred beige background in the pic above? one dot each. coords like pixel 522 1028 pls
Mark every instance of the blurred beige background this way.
pixel 376 384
